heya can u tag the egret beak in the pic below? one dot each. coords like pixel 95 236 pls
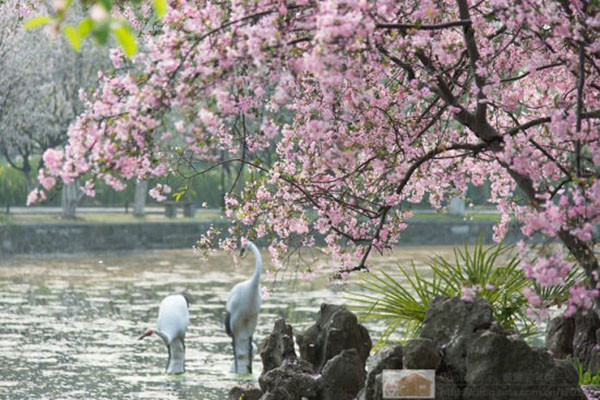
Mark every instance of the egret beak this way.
pixel 147 333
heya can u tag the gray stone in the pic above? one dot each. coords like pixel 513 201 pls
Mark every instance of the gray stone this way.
pixel 452 324
pixel 591 391
pixel 362 394
pixel 244 393
pixel 386 358
pixel 446 389
pixel 378 392
pixel 421 353
pixel 336 329
pixel 559 336
pixel 374 390
pixel 290 381
pixel 278 346
pixel 585 347
pixel 500 367
pixel 342 377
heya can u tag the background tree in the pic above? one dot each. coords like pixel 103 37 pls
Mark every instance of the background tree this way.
pixel 11 88
pixel 389 101
pixel 139 201
pixel 101 20
pixel 40 90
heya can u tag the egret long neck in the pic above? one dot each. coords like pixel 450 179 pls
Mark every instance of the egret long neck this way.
pixel 257 263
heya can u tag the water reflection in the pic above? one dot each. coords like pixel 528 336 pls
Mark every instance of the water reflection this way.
pixel 69 324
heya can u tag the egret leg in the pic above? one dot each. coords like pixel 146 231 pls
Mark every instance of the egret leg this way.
pixel 235 363
pixel 183 343
pixel 250 355
pixel 168 359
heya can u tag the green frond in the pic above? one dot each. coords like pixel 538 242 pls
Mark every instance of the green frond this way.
pixel 401 300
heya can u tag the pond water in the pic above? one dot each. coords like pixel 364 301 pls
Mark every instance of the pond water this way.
pixel 69 324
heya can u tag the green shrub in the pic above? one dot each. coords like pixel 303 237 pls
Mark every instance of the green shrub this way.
pixel 13 187
pixel 202 189
pixel 494 272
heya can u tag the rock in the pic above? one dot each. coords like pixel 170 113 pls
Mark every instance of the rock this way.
pixel 386 358
pixel 421 353
pixel 336 329
pixel 559 336
pixel 342 377
pixel 293 380
pixel 585 341
pixel 278 346
pixel 591 391
pixel 446 389
pixel 374 390
pixel 452 324
pixel 362 394
pixel 392 358
pixel 244 393
pixel 501 367
pixel 378 392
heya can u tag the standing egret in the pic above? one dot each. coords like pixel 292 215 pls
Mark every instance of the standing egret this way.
pixel 173 320
pixel 243 306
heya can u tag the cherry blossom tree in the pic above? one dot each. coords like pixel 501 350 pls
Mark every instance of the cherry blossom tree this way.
pixel 368 104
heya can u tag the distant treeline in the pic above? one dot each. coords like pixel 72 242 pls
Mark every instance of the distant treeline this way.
pixel 202 189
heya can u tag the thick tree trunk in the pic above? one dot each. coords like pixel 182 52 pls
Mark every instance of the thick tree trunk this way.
pixel 457 206
pixel 141 189
pixel 70 196
pixel 30 183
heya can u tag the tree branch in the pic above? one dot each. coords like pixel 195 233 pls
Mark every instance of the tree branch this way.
pixel 475 148
pixel 580 85
pixel 538 121
pixel 425 27
pixel 471 44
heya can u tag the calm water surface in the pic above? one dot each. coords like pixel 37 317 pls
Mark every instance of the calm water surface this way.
pixel 69 324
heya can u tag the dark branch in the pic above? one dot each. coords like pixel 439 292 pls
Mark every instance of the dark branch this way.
pixel 425 27
pixel 544 120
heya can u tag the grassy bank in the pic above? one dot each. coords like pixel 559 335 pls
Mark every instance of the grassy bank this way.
pixel 99 218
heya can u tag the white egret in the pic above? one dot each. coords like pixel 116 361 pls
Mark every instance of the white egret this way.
pixel 243 307
pixel 172 323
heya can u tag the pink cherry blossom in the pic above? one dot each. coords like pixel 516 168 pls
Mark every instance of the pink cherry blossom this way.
pixel 468 293
pixel 159 192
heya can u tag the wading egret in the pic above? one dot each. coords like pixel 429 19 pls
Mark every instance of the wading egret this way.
pixel 243 307
pixel 173 320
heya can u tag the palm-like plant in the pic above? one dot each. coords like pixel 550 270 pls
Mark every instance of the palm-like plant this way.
pixel 392 302
pixel 495 274
pixel 492 272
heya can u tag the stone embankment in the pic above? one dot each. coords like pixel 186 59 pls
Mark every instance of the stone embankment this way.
pixel 77 237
